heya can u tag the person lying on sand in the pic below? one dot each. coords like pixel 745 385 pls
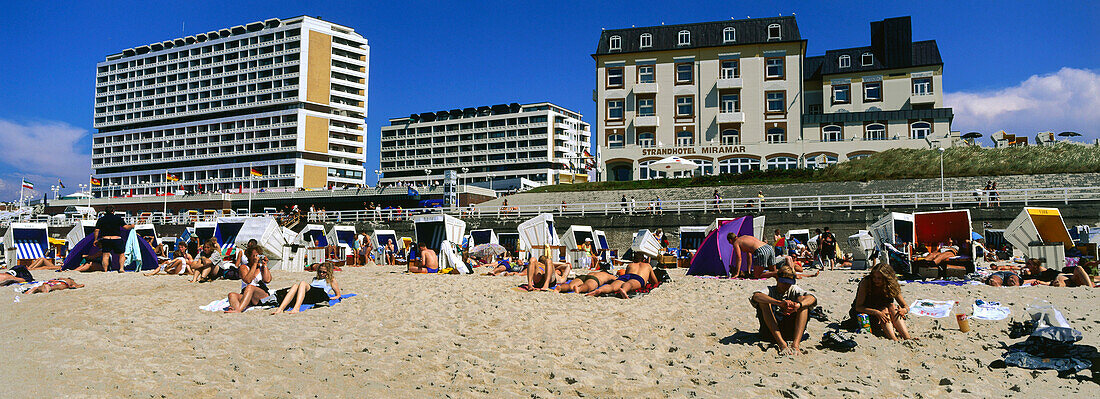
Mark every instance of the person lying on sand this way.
pixel 427 263
pixel 56 284
pixel 254 279
pixel 879 297
pixel 322 289
pixel 42 264
pixel 539 276
pixel 1034 273
pixel 92 261
pixel 762 263
pixel 507 267
pixel 635 277
pixel 1003 278
pixel 16 275
pixel 783 310
pixel 587 282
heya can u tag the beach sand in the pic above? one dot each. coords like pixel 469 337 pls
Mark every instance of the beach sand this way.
pixel 473 336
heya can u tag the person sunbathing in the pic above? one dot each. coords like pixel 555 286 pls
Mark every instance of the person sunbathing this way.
pixel 540 276
pixel 1035 274
pixel 427 263
pixel 389 254
pixel 42 264
pixel 16 275
pixel 637 274
pixel 763 261
pixel 586 282
pixel 1003 278
pixel 879 297
pixel 178 265
pixel 56 284
pixel 322 289
pixel 507 267
pixel 206 263
pixel 92 261
pixel 943 253
pixel 783 310
pixel 254 278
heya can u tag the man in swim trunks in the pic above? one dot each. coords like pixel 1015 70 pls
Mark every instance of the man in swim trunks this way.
pixel 108 237
pixel 587 282
pixel 763 261
pixel 428 262
pixel 783 310
pixel 635 277
pixel 56 284
pixel 1003 279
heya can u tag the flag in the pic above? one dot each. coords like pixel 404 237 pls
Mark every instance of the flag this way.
pixel 413 192
pixel 59 183
pixel 172 177
pixel 96 182
pixel 28 185
pixel 256 172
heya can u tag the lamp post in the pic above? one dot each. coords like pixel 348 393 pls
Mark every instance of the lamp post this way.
pixel 88 189
pixel 55 188
pixel 465 170
pixel 427 180
pixel 942 191
pixel 377 178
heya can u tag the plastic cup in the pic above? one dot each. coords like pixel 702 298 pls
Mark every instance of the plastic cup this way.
pixel 964 322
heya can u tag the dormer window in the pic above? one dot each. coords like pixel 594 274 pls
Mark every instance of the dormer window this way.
pixel 685 38
pixel 645 41
pixel 615 43
pixel 868 59
pixel 729 35
pixel 845 61
pixel 774 32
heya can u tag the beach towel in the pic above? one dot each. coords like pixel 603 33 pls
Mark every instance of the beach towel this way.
pixel 989 310
pixel 133 249
pixel 222 305
pixel 933 309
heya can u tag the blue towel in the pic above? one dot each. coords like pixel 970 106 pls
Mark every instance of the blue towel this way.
pixel 331 302
pixel 133 250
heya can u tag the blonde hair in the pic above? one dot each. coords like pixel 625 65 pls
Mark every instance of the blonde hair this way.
pixel 891 288
pixel 329 268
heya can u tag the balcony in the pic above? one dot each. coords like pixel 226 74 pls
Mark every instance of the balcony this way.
pixel 645 88
pixel 730 83
pixel 646 121
pixel 731 117
pixel 922 98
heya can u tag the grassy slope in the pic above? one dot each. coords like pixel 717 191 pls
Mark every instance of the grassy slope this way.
pixel 891 165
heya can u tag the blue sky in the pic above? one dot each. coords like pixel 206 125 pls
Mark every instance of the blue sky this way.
pixel 1015 65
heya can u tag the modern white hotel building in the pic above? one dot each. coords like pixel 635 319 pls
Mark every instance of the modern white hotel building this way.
pixel 285 97
pixel 541 142
pixel 739 95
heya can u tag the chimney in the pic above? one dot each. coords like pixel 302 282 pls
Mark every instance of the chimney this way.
pixel 892 41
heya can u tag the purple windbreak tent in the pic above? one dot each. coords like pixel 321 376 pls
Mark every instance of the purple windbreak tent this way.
pixel 716 253
pixel 86 246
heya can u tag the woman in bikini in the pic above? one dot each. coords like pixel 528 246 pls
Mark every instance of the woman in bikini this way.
pixel 636 276
pixel 586 282
pixel 254 279
pixel 541 274
pixel 207 262
pixel 507 267
pixel 56 284
pixel 322 289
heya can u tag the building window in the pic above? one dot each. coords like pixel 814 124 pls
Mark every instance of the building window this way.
pixel 738 165
pixel 777 135
pixel 844 61
pixel 922 86
pixel 645 41
pixel 615 141
pixel 832 133
pixel 730 103
pixel 776 102
pixel 867 59
pixel 731 137
pixel 614 77
pixel 782 163
pixel 921 129
pixel 646 107
pixel 685 38
pixel 645 173
pixel 729 35
pixel 615 43
pixel 842 94
pixel 645 74
pixel 685 73
pixel 685 106
pixel 774 33
pixel 774 67
pixel 872 91
pixel 875 131
pixel 814 109
pixel 858 156
pixel 614 110
pixel 729 70
pixel 685 138
pixel 646 140
pixel 706 168
pixel 820 161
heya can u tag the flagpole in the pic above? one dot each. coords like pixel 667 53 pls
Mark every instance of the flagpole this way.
pixel 165 214
pixel 22 184
pixel 249 188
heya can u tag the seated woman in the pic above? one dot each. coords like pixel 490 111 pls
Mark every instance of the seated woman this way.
pixel 160 250
pixel 322 289
pixel 178 265
pixel 254 278
pixel 1034 273
pixel 389 253
pixel 879 297
pixel 1003 278
pixel 586 282
pixel 56 284
pixel 635 277
pixel 205 265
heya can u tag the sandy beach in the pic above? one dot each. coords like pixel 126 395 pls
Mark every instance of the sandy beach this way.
pixel 473 336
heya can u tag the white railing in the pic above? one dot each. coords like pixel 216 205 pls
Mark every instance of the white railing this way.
pixel 916 200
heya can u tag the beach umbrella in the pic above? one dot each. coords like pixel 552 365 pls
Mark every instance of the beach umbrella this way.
pixel 486 250
pixel 672 165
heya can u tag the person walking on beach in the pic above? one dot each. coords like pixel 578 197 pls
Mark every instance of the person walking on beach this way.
pixel 783 311
pixel 108 237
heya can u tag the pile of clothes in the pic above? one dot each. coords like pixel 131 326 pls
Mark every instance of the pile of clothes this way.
pixel 1051 345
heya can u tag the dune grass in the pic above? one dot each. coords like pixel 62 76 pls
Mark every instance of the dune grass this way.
pixel 891 165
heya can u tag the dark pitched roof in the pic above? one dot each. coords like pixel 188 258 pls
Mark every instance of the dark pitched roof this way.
pixel 923 53
pixel 703 34
pixel 811 67
pixel 870 116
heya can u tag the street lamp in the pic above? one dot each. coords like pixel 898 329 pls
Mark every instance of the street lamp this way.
pixel 55 189
pixel 88 189
pixel 378 177
pixel 427 180
pixel 941 173
pixel 465 170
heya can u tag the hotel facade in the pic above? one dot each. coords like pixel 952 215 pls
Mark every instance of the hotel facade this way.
pixel 540 142
pixel 286 98
pixel 743 95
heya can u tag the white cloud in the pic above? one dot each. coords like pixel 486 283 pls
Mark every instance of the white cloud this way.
pixel 1067 100
pixel 41 152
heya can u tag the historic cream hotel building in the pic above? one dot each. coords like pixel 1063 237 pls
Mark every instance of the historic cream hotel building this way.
pixel 742 94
